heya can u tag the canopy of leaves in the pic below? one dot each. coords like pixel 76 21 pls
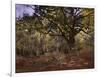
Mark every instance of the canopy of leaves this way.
pixel 62 22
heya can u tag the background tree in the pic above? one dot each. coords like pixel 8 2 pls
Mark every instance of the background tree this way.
pixel 58 23
pixel 65 22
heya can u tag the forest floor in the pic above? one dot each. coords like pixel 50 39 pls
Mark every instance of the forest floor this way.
pixel 85 60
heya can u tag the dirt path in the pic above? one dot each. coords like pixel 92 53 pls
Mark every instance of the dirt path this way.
pixel 35 64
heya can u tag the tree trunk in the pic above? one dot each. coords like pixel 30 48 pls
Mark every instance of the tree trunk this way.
pixel 71 42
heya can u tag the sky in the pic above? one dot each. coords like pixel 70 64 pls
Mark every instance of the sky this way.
pixel 21 9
